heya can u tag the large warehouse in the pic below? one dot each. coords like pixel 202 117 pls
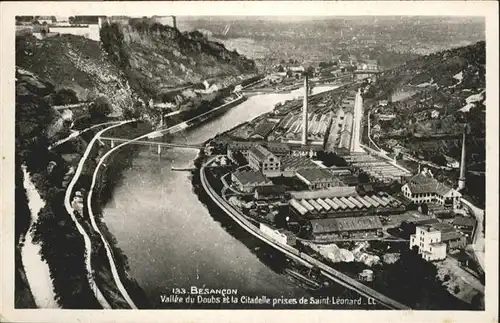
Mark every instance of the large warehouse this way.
pixel 352 227
pixel 344 206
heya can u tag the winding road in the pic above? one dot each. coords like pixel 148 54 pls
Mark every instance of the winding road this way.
pixel 76 133
pixel 478 239
pixel 81 230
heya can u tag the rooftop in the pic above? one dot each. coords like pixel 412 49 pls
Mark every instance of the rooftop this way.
pixel 277 146
pixel 326 193
pixel 420 183
pixel 251 177
pixel 260 152
pixel 264 129
pixel 271 189
pixel 295 162
pixel 317 175
pixel 464 221
pixel 346 224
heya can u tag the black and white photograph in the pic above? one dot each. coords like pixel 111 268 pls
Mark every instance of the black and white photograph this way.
pixel 213 161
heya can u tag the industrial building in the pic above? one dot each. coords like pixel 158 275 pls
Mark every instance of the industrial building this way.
pixel 318 178
pixel 424 189
pixel 351 227
pixel 344 206
pixel 377 168
pixel 247 181
pixel 261 159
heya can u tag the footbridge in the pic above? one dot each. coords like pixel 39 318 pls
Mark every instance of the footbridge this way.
pixel 152 143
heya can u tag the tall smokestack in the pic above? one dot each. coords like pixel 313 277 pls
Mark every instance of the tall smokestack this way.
pixel 461 179
pixel 304 110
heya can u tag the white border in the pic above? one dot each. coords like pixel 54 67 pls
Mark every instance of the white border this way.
pixel 487 9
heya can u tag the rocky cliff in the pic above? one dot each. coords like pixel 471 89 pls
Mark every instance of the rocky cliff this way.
pixel 136 58
pixel 159 58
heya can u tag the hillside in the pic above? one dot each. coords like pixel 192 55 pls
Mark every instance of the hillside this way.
pixel 159 58
pixel 433 98
pixel 434 95
pixel 136 59
pixel 76 63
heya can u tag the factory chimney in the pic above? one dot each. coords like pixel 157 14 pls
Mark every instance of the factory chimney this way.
pixel 461 179
pixel 174 22
pixel 304 110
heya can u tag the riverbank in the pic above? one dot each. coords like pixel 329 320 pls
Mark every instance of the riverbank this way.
pixel 35 267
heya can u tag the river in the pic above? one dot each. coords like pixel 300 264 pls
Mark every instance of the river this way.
pixel 170 238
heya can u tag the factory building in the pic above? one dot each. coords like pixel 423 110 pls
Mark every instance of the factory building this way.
pixel 318 178
pixel 424 189
pixel 247 181
pixel 261 159
pixel 343 206
pixel 351 227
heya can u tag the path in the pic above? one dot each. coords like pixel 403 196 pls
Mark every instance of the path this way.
pixel 76 133
pixel 37 270
pixel 81 230
pixel 478 239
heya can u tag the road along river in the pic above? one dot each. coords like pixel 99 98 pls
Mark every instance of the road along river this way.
pixel 173 241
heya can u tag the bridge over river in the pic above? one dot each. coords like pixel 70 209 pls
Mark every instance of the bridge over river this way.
pixel 151 143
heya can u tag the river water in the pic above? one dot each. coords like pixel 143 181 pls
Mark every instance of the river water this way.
pixel 170 238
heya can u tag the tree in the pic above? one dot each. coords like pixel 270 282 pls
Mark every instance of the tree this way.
pixel 424 208
pixel 100 108
pixel 65 96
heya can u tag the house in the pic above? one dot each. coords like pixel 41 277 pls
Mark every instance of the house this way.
pixel 434 240
pixel 452 163
pixel 44 20
pixel 274 192
pixel 317 178
pixel 376 128
pixel 434 114
pixel 247 181
pixel 366 275
pixel 383 103
pixel 368 64
pixel 345 227
pixel 386 116
pixel 261 159
pixel 424 189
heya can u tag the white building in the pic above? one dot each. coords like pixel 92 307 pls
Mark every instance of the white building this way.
pixel 435 239
pixel 450 162
pixel 424 189
pixel 428 241
pixel 434 114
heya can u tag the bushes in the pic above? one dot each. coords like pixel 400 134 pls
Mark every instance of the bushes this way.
pixel 65 96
